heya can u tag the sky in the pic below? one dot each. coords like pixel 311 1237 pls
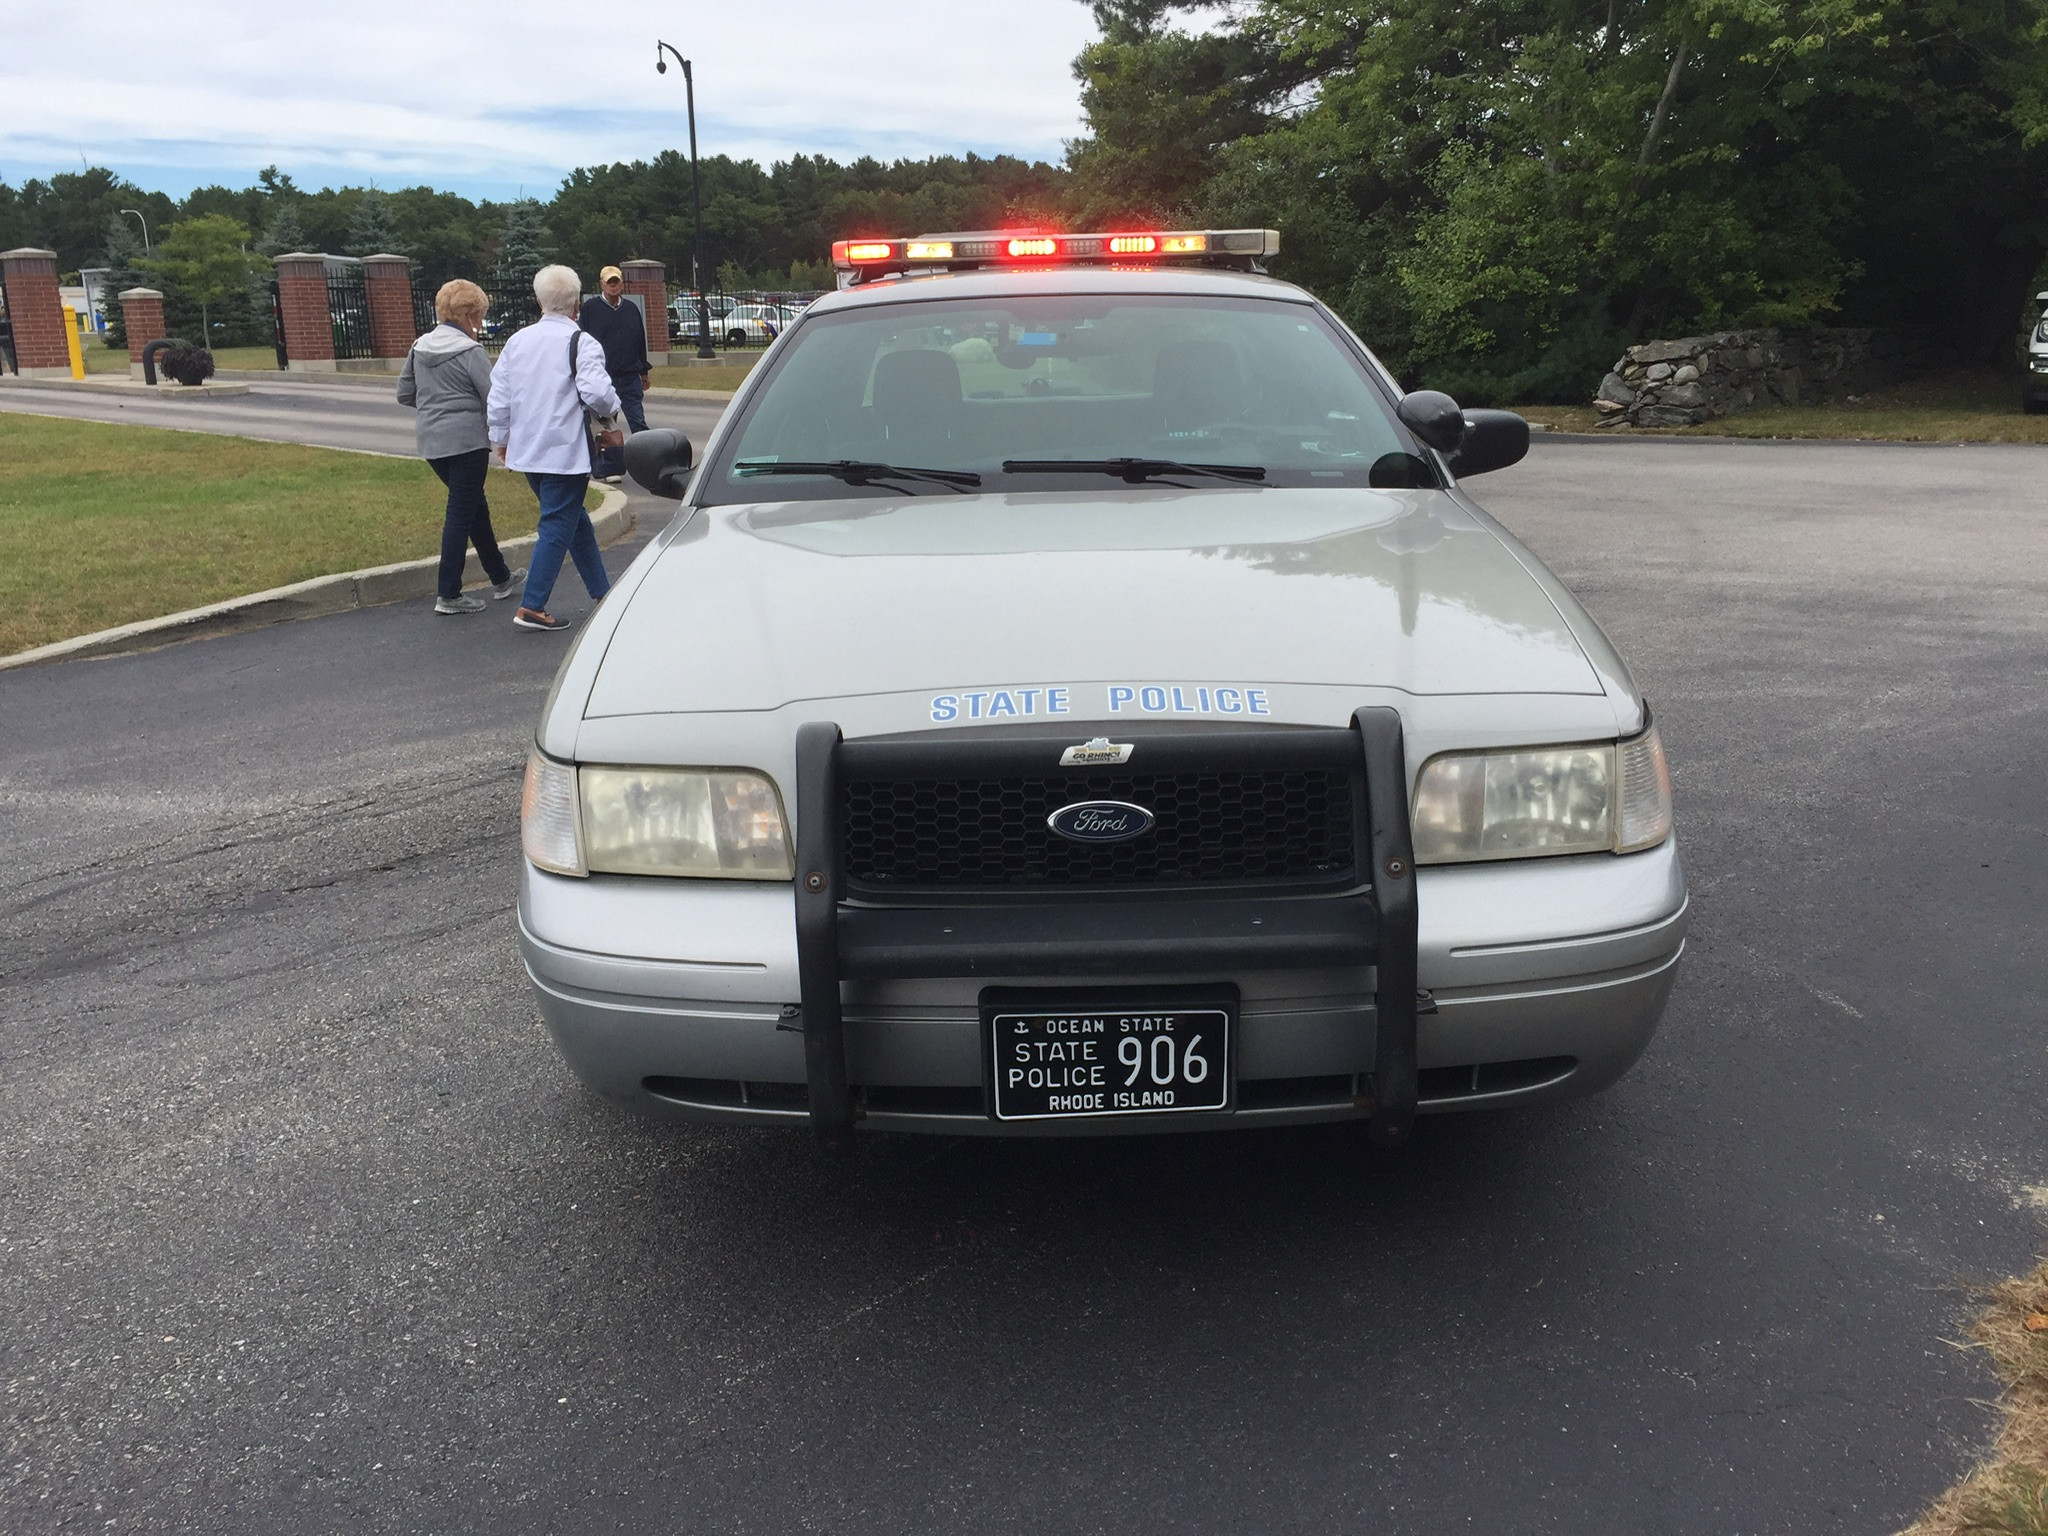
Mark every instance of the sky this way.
pixel 492 100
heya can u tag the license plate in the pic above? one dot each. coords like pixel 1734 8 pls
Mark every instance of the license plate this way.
pixel 1052 1063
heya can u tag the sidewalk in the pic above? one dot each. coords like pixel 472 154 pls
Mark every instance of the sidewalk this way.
pixel 119 383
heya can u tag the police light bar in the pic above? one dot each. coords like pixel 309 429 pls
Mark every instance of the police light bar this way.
pixel 1221 247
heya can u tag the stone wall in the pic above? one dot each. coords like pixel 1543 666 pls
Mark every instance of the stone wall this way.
pixel 1678 383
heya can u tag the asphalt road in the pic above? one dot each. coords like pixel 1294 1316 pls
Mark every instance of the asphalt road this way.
pixel 304 1227
pixel 299 408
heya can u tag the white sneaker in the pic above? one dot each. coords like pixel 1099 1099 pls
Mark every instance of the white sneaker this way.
pixel 458 605
pixel 510 586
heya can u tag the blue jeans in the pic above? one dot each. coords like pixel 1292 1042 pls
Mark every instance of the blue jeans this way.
pixel 612 461
pixel 564 530
pixel 468 519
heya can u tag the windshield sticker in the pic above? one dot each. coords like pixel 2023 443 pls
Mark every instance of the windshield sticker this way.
pixel 1117 699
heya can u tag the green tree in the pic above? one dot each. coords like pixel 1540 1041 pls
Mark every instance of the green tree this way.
pixel 283 234
pixel 1501 193
pixel 373 231
pixel 68 213
pixel 206 261
pixel 1162 104
pixel 525 244
pixel 122 259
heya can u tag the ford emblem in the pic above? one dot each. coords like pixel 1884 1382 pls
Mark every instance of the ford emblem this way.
pixel 1100 821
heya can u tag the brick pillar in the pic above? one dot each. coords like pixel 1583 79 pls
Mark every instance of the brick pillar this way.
pixel 142 312
pixel 308 329
pixel 650 281
pixel 387 284
pixel 37 313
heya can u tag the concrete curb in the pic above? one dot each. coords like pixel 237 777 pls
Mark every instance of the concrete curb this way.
pixel 381 584
pixel 114 383
pixel 670 392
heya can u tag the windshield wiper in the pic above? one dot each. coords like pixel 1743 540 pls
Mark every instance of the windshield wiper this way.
pixel 1132 471
pixel 856 471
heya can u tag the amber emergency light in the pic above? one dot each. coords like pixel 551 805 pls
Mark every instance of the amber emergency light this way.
pixel 1240 248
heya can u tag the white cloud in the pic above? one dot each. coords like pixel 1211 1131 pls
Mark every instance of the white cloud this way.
pixel 467 95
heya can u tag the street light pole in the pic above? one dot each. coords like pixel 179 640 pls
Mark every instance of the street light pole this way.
pixel 145 228
pixel 696 199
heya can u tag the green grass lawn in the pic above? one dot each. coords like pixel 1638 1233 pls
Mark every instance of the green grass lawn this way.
pixel 1955 407
pixel 101 359
pixel 103 524
pixel 725 378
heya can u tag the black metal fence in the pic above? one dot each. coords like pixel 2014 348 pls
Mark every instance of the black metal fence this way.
pixel 8 362
pixel 348 307
pixel 423 291
pixel 513 308
pixel 735 321
pixel 277 324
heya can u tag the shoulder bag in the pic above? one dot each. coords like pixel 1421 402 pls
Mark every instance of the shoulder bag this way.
pixel 603 431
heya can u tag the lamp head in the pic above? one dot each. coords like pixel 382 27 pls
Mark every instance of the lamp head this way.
pixel 660 65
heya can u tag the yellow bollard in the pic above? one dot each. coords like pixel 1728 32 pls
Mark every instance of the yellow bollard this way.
pixel 71 343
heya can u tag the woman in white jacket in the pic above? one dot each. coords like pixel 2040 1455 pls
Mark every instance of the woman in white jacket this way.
pixel 447 381
pixel 547 377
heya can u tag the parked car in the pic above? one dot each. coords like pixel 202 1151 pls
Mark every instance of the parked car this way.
pixel 2034 392
pixel 1080 695
pixel 753 324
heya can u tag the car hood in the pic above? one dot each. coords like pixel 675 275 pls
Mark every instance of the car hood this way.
pixel 754 607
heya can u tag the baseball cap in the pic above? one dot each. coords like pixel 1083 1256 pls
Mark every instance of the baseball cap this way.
pixel 608 273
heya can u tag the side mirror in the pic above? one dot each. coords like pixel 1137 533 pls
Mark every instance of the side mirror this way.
pixel 1493 440
pixel 1434 417
pixel 659 461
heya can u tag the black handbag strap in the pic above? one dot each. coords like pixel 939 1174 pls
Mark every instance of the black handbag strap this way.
pixel 590 417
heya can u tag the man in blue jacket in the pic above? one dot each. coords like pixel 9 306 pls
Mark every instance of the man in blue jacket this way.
pixel 622 330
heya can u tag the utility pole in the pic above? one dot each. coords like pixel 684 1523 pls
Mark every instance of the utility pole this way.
pixel 696 199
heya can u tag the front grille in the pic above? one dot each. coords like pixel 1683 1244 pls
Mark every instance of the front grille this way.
pixel 1213 827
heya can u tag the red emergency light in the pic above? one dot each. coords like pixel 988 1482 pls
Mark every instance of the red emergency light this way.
pixel 865 259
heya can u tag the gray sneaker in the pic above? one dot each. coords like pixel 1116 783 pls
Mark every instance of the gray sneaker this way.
pixel 510 586
pixel 458 605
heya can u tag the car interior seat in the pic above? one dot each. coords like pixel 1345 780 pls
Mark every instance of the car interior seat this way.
pixel 918 406
pixel 1197 384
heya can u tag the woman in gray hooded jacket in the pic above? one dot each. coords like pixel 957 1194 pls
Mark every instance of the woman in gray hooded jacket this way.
pixel 447 380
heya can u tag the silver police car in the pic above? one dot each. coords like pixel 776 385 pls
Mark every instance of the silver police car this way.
pixel 1077 695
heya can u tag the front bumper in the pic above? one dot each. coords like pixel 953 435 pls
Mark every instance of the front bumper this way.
pixel 679 999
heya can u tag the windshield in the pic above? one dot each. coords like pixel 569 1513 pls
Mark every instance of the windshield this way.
pixel 1071 392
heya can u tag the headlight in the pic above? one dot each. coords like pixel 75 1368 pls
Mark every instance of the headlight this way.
pixel 1604 797
pixel 547 816
pixel 683 821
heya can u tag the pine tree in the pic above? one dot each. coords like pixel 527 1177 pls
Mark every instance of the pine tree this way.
pixel 373 232
pixel 525 244
pixel 124 249
pixel 284 234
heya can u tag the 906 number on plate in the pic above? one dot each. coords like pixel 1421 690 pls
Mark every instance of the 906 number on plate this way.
pixel 1055 1065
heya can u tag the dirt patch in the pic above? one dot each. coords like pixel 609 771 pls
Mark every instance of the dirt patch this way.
pixel 2007 1495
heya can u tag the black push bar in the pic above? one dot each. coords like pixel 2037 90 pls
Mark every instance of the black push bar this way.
pixel 1393 892
pixel 1094 938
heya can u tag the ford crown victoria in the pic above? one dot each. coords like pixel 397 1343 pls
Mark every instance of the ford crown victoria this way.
pixel 1077 694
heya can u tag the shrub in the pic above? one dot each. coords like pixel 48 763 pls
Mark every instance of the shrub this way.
pixel 188 364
